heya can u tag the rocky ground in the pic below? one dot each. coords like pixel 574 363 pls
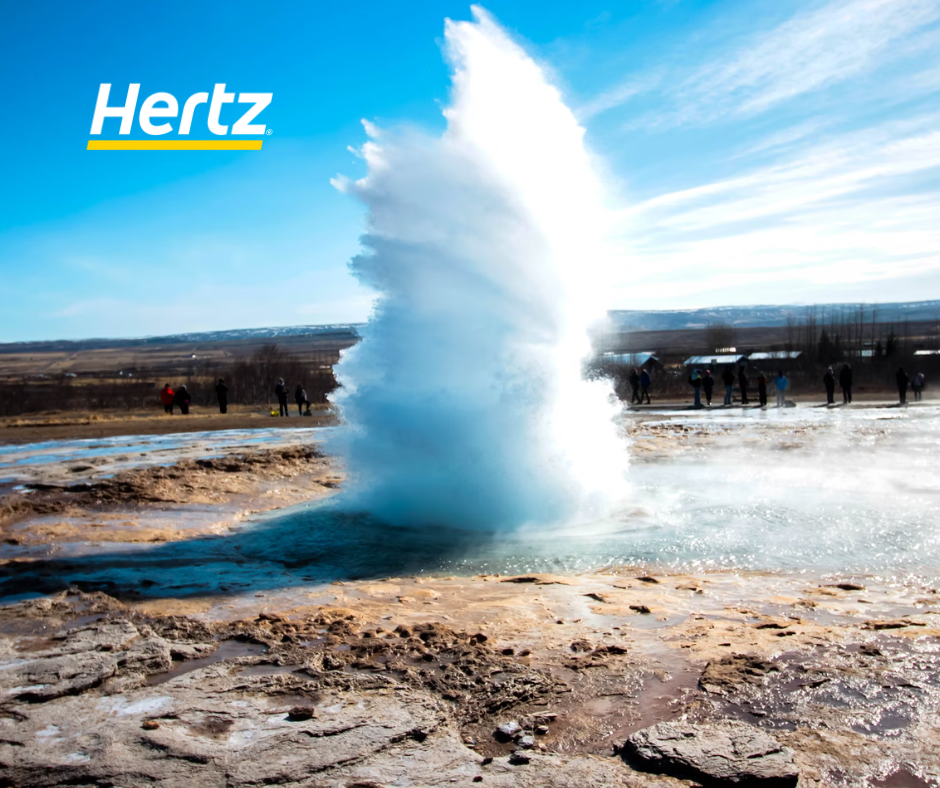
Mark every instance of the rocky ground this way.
pixel 60 504
pixel 619 677
pixel 397 684
pixel 90 425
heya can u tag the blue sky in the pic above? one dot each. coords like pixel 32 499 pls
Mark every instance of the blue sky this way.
pixel 758 152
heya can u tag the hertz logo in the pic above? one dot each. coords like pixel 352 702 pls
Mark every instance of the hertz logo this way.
pixel 164 106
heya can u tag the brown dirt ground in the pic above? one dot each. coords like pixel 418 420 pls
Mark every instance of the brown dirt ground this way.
pixel 108 424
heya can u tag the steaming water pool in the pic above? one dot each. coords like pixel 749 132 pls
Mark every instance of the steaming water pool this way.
pixel 797 491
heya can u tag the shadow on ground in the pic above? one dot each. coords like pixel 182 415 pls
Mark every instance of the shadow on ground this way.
pixel 318 543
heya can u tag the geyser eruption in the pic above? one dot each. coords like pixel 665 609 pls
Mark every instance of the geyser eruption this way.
pixel 465 400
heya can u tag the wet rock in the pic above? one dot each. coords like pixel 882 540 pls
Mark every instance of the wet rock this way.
pixel 895 623
pixel 508 731
pixel 215 728
pixel 729 672
pixel 727 753
pixel 88 657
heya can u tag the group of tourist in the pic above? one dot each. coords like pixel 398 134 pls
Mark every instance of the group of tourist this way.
pixel 175 399
pixel 845 381
pixel 300 397
pixel 181 399
pixel 703 383
pixel 640 383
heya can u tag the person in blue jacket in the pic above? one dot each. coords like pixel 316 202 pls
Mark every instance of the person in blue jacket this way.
pixel 781 383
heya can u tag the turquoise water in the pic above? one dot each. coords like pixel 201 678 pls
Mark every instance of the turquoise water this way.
pixel 793 491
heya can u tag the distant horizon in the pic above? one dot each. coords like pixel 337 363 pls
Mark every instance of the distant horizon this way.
pixel 925 303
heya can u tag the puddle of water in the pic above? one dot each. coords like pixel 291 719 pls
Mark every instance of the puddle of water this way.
pixel 267 669
pixel 902 778
pixel 228 649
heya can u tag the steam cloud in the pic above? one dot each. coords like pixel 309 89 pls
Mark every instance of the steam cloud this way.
pixel 465 401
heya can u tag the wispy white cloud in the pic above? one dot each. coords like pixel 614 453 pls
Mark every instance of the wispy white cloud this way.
pixel 814 50
pixel 838 41
pixel 856 210
pixel 618 95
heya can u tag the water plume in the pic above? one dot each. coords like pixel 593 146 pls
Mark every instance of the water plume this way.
pixel 465 400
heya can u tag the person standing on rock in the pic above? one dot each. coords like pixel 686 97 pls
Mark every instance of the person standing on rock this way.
pixel 181 398
pixel 829 381
pixel 634 386
pixel 221 394
pixel 280 391
pixel 781 383
pixel 645 382
pixel 917 386
pixel 708 385
pixel 727 378
pixel 742 382
pixel 166 397
pixel 762 389
pixel 845 381
pixel 695 381
pixel 902 380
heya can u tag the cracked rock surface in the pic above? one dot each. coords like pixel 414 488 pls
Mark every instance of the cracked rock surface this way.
pixel 726 753
pixel 123 703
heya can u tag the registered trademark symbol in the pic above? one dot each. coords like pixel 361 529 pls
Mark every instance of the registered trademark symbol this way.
pixel 269 131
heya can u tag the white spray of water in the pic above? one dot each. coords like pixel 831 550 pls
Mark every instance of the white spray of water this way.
pixel 465 401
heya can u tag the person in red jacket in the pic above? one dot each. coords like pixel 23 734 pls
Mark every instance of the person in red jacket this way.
pixel 166 397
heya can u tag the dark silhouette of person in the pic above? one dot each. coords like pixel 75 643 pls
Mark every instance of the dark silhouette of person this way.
pixel 762 389
pixel 221 394
pixel 695 381
pixel 280 391
pixel 829 381
pixel 902 381
pixel 708 385
pixel 166 397
pixel 728 378
pixel 634 386
pixel 917 386
pixel 645 382
pixel 181 398
pixel 300 397
pixel 845 381
pixel 742 382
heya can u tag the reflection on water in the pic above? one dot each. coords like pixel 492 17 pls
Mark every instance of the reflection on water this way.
pixel 798 490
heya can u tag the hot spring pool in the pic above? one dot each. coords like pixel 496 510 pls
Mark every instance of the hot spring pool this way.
pixel 796 491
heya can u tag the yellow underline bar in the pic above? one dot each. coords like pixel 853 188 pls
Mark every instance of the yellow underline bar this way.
pixel 174 144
